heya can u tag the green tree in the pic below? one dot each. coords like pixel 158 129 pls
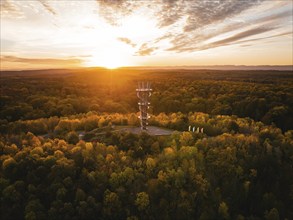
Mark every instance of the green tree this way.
pixel 142 201
pixel 72 137
pixel 273 214
pixel 186 139
pixel 223 210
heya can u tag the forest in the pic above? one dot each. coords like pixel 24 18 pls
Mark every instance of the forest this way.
pixel 62 155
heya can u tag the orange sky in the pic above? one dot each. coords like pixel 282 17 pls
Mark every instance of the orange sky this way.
pixel 64 34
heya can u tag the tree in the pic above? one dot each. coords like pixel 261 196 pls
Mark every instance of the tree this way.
pixel 34 210
pixel 186 139
pixel 79 195
pixel 142 201
pixel 223 210
pixel 273 214
pixel 112 204
pixel 150 163
pixel 72 137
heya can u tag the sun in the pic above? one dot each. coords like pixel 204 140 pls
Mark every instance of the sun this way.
pixel 113 55
pixel 112 64
pixel 108 60
pixel 106 49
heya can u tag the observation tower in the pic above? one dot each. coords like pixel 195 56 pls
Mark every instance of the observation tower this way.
pixel 144 92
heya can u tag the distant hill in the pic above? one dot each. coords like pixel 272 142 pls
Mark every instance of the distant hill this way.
pixel 220 67
pixel 207 67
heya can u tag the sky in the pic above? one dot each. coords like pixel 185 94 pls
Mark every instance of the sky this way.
pixel 44 34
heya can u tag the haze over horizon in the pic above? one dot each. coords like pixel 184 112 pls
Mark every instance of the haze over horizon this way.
pixel 42 34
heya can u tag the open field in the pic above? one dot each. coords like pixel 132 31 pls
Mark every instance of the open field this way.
pixel 151 130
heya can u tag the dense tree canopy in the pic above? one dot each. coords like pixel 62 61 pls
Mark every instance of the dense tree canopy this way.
pixel 218 174
pixel 261 95
pixel 64 154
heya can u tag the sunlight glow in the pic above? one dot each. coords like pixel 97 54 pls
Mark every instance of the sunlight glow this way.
pixel 110 58
pixel 142 33
pixel 109 51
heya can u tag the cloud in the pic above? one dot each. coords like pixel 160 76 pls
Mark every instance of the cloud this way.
pixel 195 40
pixel 175 25
pixel 171 11
pixel 144 50
pixel 48 7
pixel 15 9
pixel 113 10
pixel 127 41
pixel 224 42
pixel 10 9
pixel 263 38
pixel 200 13
pixel 6 44
pixel 188 25
pixel 46 61
pixel 273 17
pixel 242 35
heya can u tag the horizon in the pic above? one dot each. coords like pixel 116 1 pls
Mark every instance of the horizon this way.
pixel 42 34
pixel 183 67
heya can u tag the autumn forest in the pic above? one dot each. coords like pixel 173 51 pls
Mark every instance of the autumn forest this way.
pixel 63 155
